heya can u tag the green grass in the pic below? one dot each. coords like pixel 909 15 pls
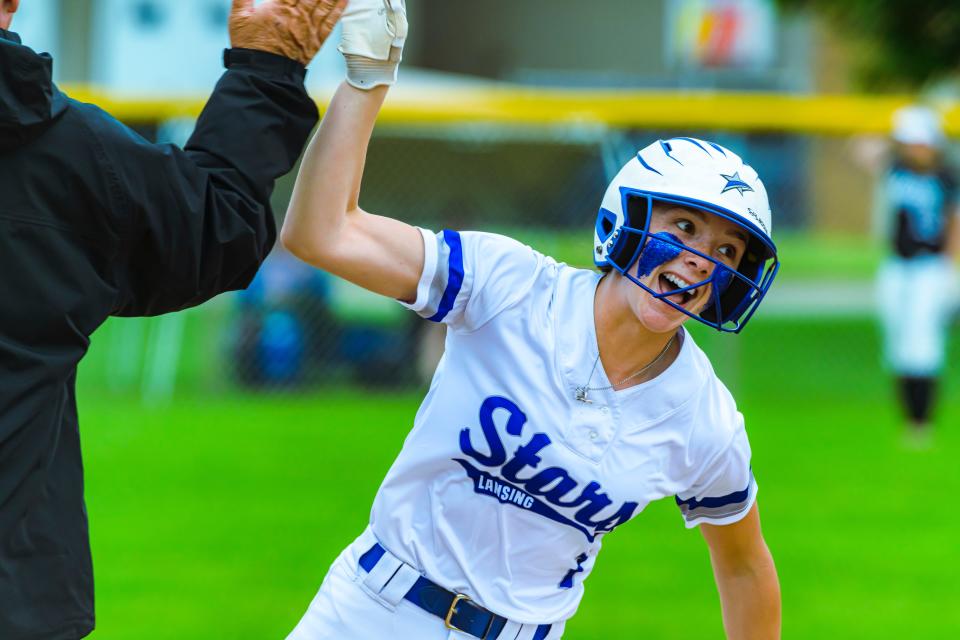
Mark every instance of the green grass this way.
pixel 216 517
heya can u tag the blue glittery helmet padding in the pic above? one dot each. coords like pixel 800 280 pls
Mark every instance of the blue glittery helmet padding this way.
pixel 722 277
pixel 663 247
pixel 656 252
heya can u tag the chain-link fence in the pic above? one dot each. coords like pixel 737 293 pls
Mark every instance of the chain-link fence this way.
pixel 297 329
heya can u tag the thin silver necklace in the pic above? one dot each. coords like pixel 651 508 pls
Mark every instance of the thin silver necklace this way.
pixel 581 392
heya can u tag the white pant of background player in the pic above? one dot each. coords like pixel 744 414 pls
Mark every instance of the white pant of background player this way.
pixel 916 297
pixel 351 606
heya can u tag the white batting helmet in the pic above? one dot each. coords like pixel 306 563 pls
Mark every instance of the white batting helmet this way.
pixel 705 176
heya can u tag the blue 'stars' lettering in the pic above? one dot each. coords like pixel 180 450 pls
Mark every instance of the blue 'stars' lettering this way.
pixel 554 485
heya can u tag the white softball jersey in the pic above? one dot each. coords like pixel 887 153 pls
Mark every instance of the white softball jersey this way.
pixel 506 485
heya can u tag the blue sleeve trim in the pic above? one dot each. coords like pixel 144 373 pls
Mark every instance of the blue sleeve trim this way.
pixel 712 503
pixel 455 278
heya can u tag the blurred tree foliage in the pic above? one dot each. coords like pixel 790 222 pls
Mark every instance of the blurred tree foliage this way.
pixel 897 44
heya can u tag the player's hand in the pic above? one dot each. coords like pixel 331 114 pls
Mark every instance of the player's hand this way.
pixel 374 32
pixel 292 28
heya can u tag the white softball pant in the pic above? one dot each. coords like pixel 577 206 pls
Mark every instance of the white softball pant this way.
pixel 915 298
pixel 353 605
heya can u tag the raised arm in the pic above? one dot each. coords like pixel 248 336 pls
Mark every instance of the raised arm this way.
pixel 325 225
pixel 746 578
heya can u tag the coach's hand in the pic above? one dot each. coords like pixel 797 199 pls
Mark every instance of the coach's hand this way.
pixel 374 32
pixel 292 28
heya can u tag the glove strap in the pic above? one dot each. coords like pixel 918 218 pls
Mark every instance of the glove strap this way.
pixel 366 73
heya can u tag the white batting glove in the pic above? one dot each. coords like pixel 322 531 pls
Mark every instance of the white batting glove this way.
pixel 373 33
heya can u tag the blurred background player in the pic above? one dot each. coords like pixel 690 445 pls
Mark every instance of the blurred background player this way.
pixel 920 218
pixel 567 399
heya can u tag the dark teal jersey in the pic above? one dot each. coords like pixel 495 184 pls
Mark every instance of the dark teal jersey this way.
pixel 920 206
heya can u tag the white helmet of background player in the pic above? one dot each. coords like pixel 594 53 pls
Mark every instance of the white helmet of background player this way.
pixel 917 124
pixel 701 175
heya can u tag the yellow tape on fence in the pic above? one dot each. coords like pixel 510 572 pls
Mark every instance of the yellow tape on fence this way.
pixel 836 115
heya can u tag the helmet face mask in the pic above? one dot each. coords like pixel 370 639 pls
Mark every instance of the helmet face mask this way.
pixel 622 236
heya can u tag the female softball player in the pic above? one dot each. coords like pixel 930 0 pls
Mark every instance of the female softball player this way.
pixel 921 218
pixel 566 400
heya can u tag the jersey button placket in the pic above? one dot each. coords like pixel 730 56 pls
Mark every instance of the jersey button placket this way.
pixel 584 432
pixel 604 429
pixel 601 430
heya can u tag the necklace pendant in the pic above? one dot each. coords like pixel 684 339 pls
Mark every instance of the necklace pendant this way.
pixel 581 395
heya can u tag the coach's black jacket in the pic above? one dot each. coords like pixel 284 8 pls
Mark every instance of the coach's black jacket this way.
pixel 94 222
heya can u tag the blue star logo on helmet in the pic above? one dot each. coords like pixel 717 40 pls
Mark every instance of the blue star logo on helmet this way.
pixel 734 182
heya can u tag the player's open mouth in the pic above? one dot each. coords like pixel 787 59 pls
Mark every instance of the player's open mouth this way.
pixel 671 282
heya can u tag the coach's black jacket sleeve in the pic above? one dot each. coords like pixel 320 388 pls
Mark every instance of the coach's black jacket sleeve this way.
pixel 198 220
pixel 95 221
